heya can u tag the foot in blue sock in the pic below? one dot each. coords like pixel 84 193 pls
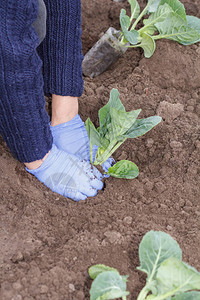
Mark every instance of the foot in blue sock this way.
pixel 72 137
pixel 68 175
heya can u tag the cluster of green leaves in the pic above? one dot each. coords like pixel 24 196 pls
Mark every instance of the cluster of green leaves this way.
pixel 168 277
pixel 115 126
pixel 167 20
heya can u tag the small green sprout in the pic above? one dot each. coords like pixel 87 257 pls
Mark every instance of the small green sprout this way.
pixel 116 125
pixel 168 277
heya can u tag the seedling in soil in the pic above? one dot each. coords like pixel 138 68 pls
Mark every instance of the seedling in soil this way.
pixel 168 277
pixel 115 126
pixel 167 19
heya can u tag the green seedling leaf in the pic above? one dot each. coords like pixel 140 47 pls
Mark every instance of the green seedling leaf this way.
pixel 175 28
pixel 168 278
pixel 104 143
pixel 176 6
pixel 121 121
pixel 194 23
pixel 105 117
pixel 149 29
pixel 153 5
pixel 93 135
pixel 125 22
pixel 155 247
pixel 116 125
pixel 114 100
pixel 142 126
pixel 187 296
pixel 104 112
pixel 135 9
pixel 95 270
pixel 175 276
pixel 168 17
pixel 131 36
pixel 125 277
pixel 158 16
pixel 148 45
pixel 124 169
pixel 113 295
pixel 108 285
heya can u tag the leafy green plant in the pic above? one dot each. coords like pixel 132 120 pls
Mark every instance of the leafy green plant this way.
pixel 115 126
pixel 168 277
pixel 167 20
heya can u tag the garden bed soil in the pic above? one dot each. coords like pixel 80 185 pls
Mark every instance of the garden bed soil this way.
pixel 48 242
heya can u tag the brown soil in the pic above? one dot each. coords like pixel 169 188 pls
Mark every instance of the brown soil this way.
pixel 48 242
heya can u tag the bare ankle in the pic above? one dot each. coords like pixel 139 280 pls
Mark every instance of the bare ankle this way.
pixel 64 109
pixel 37 163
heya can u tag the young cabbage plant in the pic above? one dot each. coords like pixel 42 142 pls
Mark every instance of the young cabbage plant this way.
pixel 168 277
pixel 115 126
pixel 167 20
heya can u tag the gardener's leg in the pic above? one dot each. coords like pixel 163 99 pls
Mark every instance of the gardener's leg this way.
pixel 40 23
pixel 62 59
pixel 24 123
pixel 64 109
pixel 61 50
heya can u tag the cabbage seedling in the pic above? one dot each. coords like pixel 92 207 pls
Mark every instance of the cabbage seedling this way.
pixel 115 126
pixel 168 277
pixel 167 20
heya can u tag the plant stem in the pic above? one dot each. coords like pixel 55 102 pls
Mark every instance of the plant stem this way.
pixel 157 37
pixel 132 17
pixel 91 156
pixel 142 29
pixel 160 36
pixel 141 15
pixel 145 290
pixel 165 296
pixel 155 267
pixel 107 153
pixel 135 46
pixel 122 42
pixel 100 160
pixel 142 295
pixel 164 36
pixel 132 46
pixel 151 23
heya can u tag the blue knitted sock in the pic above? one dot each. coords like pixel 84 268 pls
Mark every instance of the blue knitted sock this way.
pixel 69 176
pixel 72 137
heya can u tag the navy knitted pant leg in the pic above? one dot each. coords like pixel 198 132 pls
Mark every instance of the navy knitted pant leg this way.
pixel 24 123
pixel 40 23
pixel 61 50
